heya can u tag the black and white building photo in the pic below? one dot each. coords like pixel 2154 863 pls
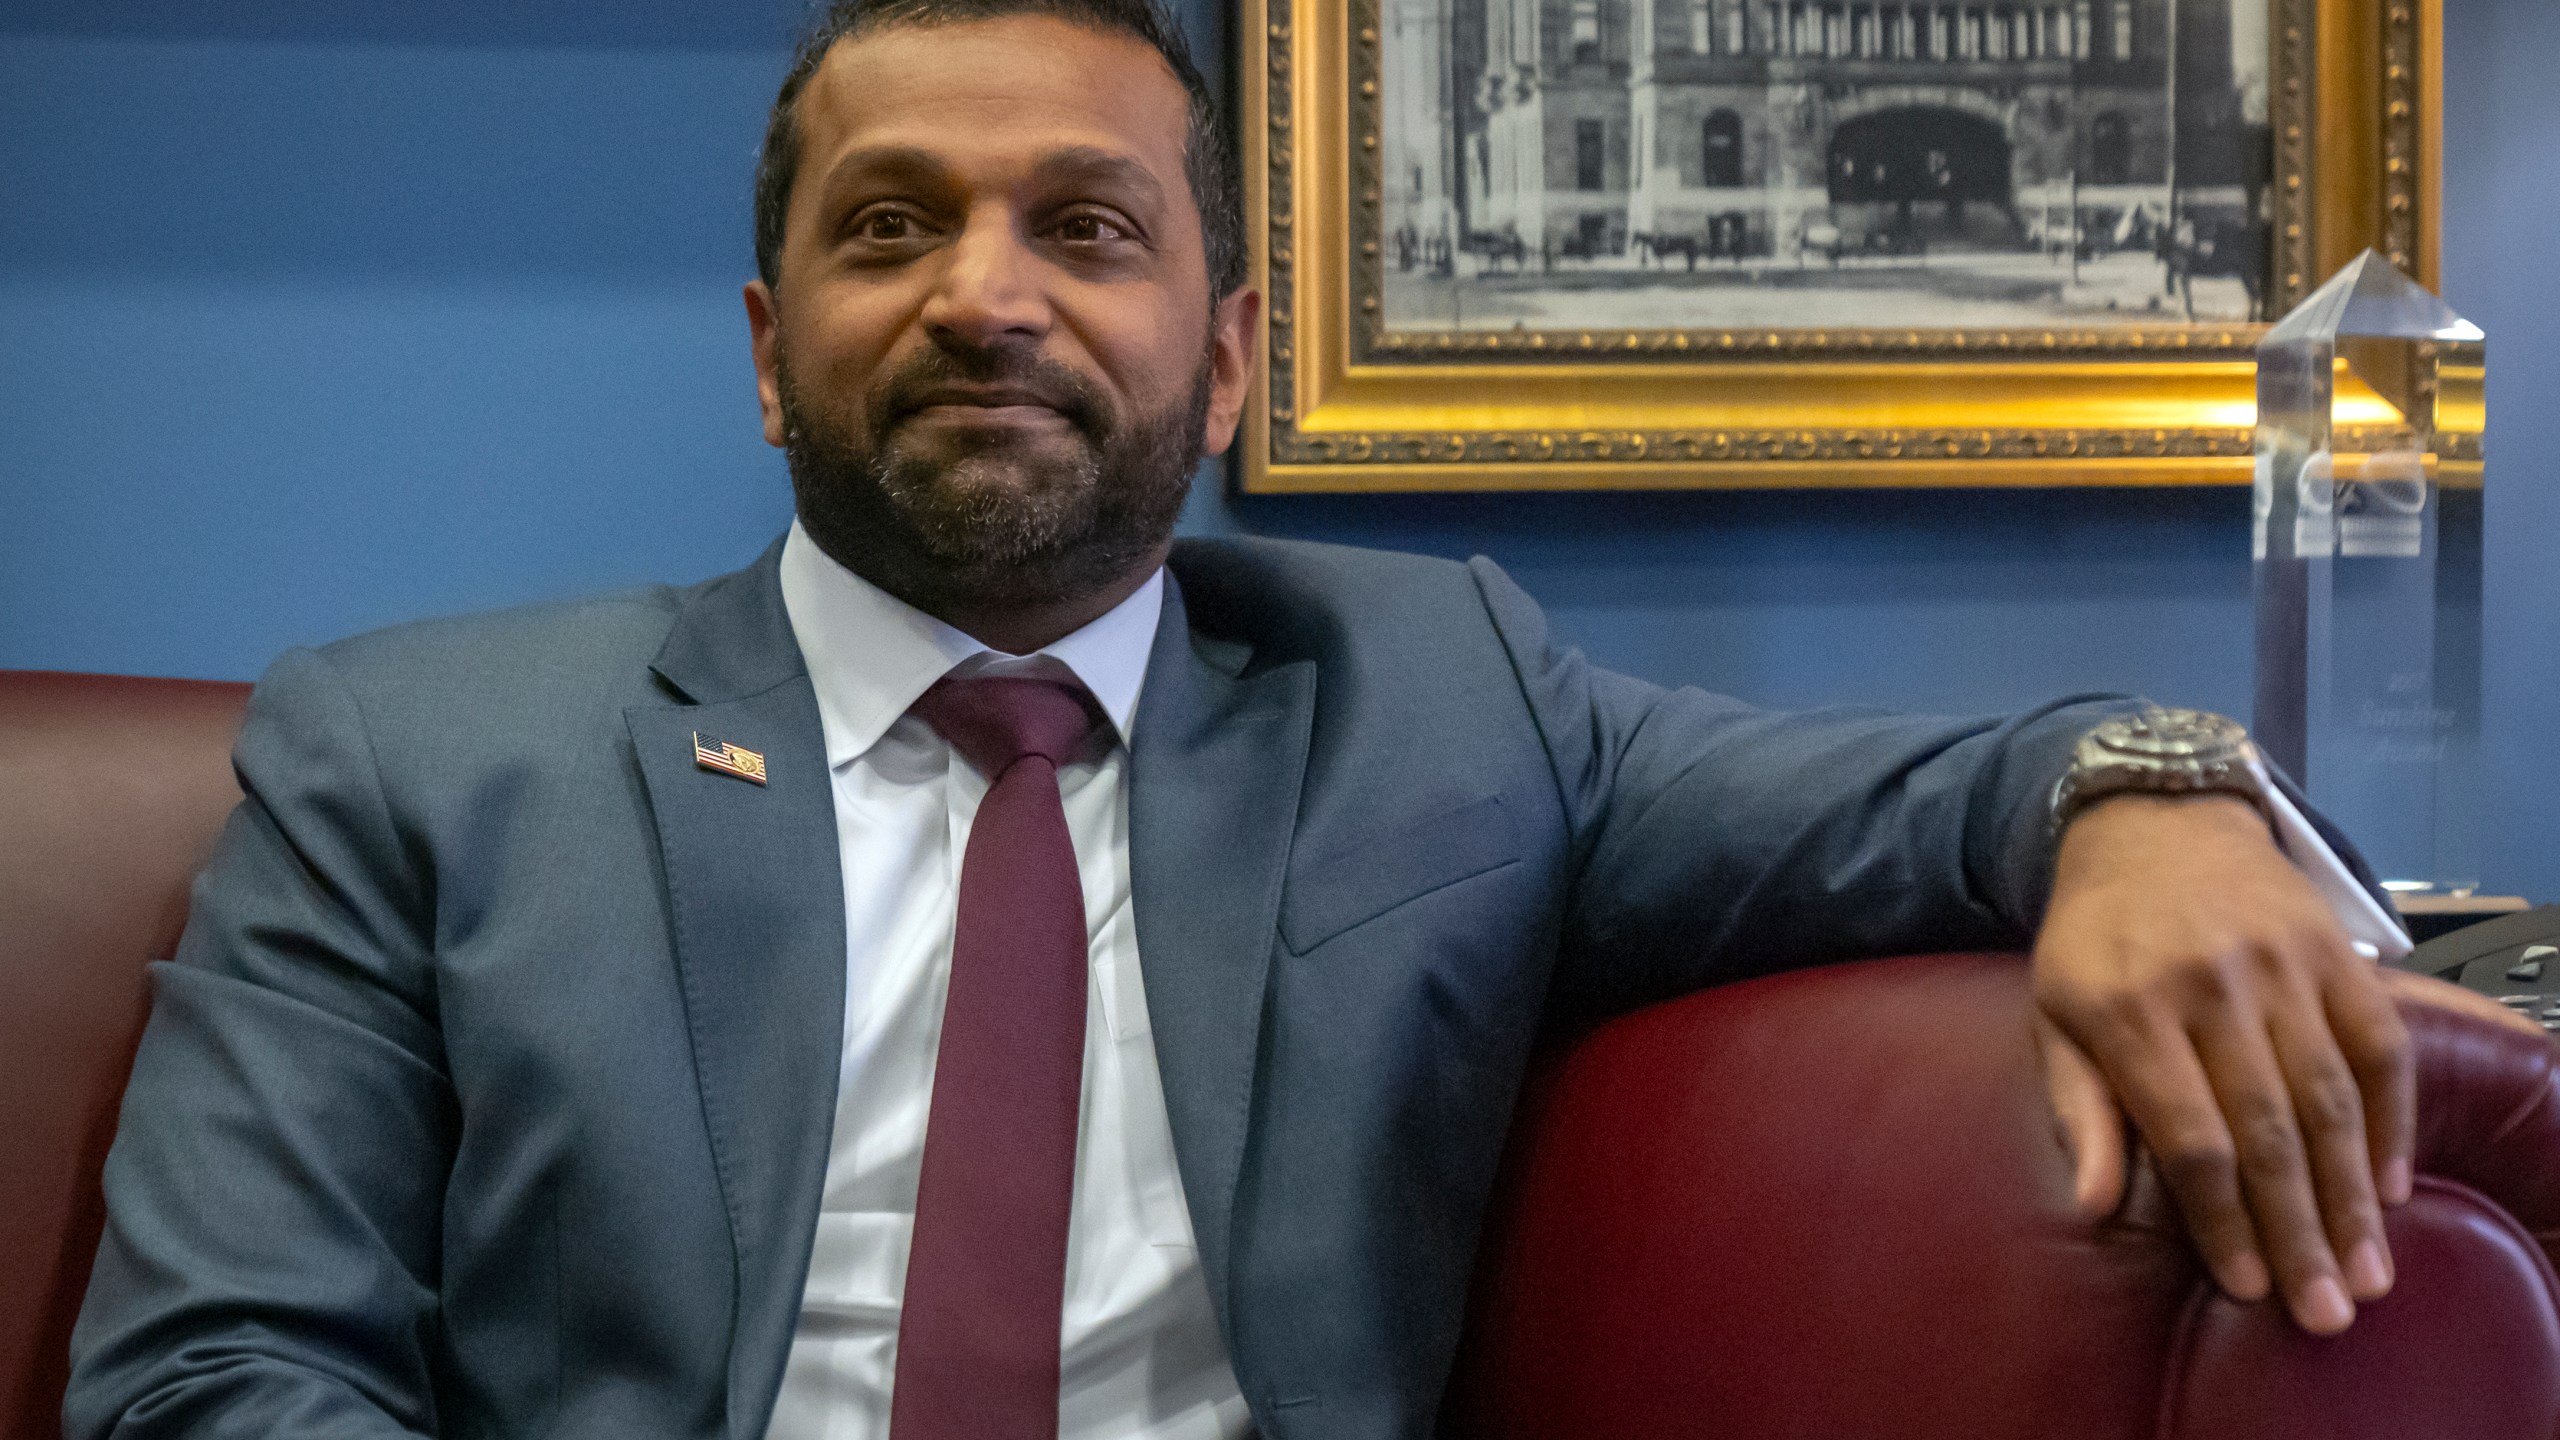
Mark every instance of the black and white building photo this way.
pixel 1815 164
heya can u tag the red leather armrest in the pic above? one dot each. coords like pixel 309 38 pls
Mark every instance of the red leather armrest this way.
pixel 1832 1204
pixel 111 791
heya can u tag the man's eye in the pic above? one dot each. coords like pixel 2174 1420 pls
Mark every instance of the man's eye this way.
pixel 1089 229
pixel 884 225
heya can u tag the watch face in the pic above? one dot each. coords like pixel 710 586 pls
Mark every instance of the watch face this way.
pixel 2163 752
pixel 2180 737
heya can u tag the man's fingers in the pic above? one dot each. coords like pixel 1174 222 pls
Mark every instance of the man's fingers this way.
pixel 2329 1113
pixel 2156 1073
pixel 2376 1046
pixel 2272 1167
pixel 2092 1127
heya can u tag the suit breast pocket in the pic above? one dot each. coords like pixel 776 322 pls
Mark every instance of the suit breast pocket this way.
pixel 1408 859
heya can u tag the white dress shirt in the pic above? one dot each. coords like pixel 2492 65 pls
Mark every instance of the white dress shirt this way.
pixel 1141 1355
pixel 2375 931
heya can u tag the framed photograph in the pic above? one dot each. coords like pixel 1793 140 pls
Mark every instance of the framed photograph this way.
pixel 1559 244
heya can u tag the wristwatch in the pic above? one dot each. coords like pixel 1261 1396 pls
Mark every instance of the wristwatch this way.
pixel 2163 752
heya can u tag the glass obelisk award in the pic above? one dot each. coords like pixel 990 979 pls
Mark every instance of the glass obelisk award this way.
pixel 2367 545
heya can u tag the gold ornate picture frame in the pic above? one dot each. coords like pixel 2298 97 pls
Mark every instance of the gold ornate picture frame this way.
pixel 1348 401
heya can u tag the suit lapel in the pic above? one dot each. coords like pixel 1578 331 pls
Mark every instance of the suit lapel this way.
pixel 1215 766
pixel 756 898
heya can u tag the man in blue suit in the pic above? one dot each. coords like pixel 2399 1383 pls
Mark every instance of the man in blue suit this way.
pixel 630 1016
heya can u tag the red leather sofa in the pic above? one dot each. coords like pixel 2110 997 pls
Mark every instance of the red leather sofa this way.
pixel 1827 1204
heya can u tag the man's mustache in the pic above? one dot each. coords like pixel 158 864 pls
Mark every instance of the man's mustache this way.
pixel 942 375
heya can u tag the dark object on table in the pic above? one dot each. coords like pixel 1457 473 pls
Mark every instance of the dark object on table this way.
pixel 2515 959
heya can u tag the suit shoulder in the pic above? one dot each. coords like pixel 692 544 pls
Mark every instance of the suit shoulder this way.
pixel 1250 575
pixel 559 638
pixel 1338 604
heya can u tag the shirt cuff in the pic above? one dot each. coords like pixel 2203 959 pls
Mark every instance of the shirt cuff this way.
pixel 2377 933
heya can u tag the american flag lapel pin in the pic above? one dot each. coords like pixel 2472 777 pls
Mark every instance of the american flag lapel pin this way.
pixel 728 759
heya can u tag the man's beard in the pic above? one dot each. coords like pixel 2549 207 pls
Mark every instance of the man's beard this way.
pixel 990 516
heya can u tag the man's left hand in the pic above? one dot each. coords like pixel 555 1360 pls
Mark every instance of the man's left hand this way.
pixel 2188 977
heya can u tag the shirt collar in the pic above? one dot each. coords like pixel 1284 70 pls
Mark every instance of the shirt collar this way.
pixel 870 654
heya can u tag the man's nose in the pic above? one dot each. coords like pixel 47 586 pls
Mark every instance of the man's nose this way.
pixel 989 292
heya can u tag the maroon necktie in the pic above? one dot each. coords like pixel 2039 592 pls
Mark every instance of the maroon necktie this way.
pixel 986 1279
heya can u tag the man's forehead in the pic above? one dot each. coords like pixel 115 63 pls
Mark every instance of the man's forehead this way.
pixel 1029 83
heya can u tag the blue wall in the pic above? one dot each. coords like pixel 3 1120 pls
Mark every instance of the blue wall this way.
pixel 317 315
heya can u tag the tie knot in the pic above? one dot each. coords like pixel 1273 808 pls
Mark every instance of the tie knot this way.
pixel 995 720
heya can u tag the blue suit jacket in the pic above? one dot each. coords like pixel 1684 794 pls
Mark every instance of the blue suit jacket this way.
pixel 490 1090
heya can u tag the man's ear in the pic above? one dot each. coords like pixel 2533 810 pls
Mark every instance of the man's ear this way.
pixel 763 332
pixel 1233 326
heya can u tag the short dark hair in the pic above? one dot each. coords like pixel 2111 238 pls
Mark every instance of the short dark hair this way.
pixel 1208 161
